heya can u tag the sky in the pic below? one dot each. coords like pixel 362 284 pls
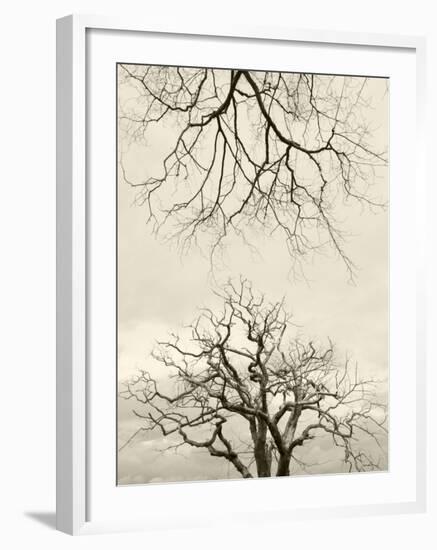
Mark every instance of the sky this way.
pixel 158 293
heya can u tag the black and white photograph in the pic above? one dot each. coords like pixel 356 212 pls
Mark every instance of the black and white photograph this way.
pixel 252 274
pixel 217 284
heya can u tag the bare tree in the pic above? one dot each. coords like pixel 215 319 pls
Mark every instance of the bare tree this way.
pixel 245 391
pixel 250 151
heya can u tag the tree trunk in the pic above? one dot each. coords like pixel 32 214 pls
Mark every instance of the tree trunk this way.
pixel 283 466
pixel 262 453
pixel 263 461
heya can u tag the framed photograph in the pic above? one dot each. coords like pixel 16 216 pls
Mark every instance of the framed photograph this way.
pixel 240 275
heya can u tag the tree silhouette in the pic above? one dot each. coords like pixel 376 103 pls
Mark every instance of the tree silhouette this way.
pixel 244 390
pixel 235 152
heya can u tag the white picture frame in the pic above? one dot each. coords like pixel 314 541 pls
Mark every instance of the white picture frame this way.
pixel 74 396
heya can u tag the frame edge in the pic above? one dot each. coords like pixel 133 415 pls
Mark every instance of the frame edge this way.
pixel 70 279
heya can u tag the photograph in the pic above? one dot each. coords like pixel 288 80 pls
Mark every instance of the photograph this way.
pixel 252 273
pixel 218 274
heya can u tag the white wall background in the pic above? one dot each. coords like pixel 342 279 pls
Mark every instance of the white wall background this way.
pixel 27 272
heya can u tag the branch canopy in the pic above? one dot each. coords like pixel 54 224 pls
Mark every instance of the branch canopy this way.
pixel 232 152
pixel 244 389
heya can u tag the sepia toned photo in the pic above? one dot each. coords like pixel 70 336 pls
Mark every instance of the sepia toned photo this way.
pixel 252 274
